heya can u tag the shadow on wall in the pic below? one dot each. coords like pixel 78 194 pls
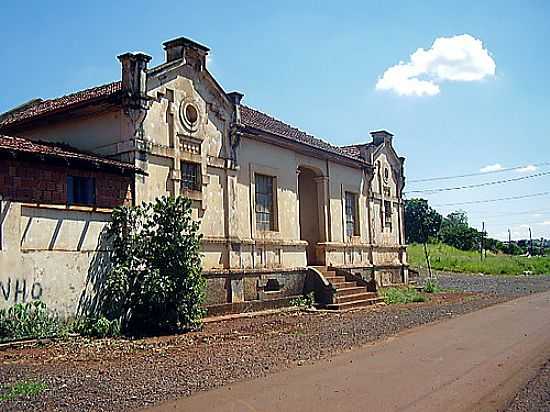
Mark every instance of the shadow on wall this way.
pixel 90 300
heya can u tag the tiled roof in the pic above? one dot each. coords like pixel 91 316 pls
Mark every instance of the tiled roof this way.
pixel 43 107
pixel 250 117
pixel 261 121
pixel 21 145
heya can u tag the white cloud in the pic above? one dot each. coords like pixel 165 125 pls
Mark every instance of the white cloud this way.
pixel 491 168
pixel 457 58
pixel 527 169
pixel 546 222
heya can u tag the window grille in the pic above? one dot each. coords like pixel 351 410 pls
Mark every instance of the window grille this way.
pixel 190 176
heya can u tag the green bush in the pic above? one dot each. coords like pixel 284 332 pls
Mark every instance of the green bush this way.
pixel 27 320
pixel 97 327
pixel 394 296
pixel 156 284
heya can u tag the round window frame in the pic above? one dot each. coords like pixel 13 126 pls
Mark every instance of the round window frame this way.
pixel 189 125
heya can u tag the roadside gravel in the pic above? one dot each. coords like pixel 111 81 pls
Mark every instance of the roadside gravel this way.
pixel 535 396
pixel 117 374
pixel 510 286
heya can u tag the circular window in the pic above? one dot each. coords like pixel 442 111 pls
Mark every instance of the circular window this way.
pixel 189 115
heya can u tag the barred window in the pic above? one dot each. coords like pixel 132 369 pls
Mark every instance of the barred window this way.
pixel 352 222
pixel 80 190
pixel 264 203
pixel 190 176
pixel 387 214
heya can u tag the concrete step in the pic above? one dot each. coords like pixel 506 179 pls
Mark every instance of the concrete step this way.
pixel 356 297
pixel 335 278
pixel 343 284
pixel 353 304
pixel 350 291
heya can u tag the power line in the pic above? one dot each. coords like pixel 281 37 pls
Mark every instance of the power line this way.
pixel 518 223
pixel 508 169
pixel 494 200
pixel 495 182
pixel 523 212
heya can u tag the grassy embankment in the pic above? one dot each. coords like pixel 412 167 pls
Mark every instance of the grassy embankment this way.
pixel 447 258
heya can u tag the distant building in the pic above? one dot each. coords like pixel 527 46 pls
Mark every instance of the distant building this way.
pixel 272 200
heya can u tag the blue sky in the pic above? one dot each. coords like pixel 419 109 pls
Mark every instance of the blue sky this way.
pixel 316 65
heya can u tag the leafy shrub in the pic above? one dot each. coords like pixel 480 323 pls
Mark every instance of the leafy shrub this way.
pixel 432 286
pixel 97 327
pixel 156 285
pixel 394 296
pixel 27 320
pixel 304 301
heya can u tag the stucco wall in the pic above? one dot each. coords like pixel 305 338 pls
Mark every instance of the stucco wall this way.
pixel 95 132
pixel 50 254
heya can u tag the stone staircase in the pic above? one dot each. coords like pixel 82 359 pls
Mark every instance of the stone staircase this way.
pixel 349 294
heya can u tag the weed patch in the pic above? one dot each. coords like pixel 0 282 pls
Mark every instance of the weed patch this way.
pixel 432 287
pixel 22 388
pixel 306 301
pixel 394 296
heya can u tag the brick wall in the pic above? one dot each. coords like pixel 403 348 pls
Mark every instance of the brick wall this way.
pixel 46 183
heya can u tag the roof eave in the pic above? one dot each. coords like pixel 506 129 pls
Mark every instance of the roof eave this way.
pixel 311 149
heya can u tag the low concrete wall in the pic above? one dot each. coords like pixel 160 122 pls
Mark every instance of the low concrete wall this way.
pixel 52 254
pixel 247 286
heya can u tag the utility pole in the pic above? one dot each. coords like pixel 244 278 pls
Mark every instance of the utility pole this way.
pixel 530 243
pixel 428 260
pixel 542 246
pixel 425 236
pixel 482 244
pixel 509 242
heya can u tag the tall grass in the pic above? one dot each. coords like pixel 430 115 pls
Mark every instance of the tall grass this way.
pixel 448 258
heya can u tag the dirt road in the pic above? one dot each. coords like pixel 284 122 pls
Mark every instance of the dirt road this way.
pixel 474 362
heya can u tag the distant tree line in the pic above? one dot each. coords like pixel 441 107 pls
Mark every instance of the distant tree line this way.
pixel 425 224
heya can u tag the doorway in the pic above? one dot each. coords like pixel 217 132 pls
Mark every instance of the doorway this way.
pixel 308 199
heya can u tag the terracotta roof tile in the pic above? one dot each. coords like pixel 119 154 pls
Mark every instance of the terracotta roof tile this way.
pixel 43 107
pixel 21 145
pixel 261 121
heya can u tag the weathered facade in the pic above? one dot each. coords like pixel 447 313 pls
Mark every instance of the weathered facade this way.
pixel 272 200
pixel 54 206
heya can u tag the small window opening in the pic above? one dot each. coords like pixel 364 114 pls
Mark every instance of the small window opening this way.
pixel 191 114
pixel 272 285
pixel 81 190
